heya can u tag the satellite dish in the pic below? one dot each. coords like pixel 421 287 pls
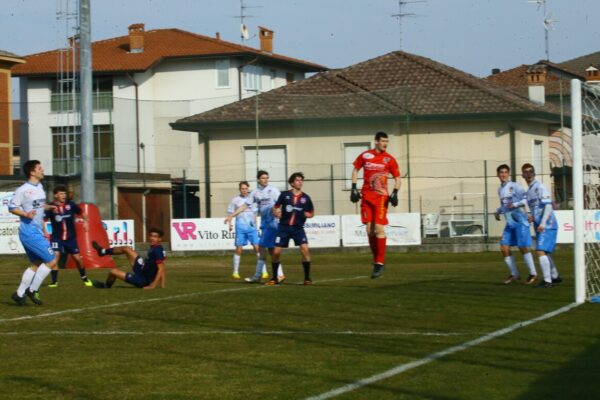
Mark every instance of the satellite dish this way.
pixel 549 22
pixel 244 30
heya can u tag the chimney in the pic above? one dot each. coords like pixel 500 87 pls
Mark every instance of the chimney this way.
pixel 495 71
pixel 592 74
pixel 136 38
pixel 536 79
pixel 266 39
pixel 218 35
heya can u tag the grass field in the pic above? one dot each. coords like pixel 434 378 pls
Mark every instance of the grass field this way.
pixel 206 336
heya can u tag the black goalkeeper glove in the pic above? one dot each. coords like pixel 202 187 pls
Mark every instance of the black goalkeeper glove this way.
pixel 394 198
pixel 354 194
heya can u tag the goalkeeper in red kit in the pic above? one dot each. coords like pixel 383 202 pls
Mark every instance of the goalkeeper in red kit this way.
pixel 377 165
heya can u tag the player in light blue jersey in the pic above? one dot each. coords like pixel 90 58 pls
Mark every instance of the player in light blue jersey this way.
pixel 29 204
pixel 517 231
pixel 246 230
pixel 545 225
pixel 264 197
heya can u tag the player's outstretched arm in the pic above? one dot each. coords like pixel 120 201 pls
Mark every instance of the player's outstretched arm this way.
pixel 159 278
pixel 354 193
pixel 239 210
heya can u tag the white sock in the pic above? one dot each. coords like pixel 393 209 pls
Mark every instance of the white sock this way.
pixel 260 267
pixel 512 266
pixel 280 270
pixel 41 274
pixel 545 267
pixel 553 270
pixel 26 279
pixel 236 263
pixel 530 264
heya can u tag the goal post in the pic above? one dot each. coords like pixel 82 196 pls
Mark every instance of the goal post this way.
pixel 585 114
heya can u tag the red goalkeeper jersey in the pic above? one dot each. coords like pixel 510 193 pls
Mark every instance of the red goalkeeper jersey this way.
pixel 377 166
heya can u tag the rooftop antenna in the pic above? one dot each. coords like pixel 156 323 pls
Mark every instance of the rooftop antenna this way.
pixel 401 14
pixel 548 24
pixel 244 34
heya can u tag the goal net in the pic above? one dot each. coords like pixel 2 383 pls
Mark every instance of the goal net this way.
pixel 586 189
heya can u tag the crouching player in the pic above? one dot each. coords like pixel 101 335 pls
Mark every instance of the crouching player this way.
pixel 544 223
pixel 146 273
pixel 292 208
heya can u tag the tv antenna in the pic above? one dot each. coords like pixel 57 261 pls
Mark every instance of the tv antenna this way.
pixel 548 24
pixel 244 34
pixel 401 15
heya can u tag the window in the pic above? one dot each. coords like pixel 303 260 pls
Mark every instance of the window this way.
pixel 65 94
pixel 222 68
pixel 538 157
pixel 289 77
pixel 252 77
pixel 272 159
pixel 66 149
pixel 351 151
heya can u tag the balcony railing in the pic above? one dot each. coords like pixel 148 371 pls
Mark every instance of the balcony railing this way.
pixel 69 102
pixel 73 167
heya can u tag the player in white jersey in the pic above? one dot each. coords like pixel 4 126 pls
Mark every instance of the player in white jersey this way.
pixel 245 227
pixel 264 197
pixel 516 232
pixel 29 204
pixel 545 225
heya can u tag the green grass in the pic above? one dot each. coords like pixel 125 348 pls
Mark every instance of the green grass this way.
pixel 208 337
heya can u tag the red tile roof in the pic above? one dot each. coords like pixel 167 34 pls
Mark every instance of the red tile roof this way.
pixel 112 55
pixel 391 85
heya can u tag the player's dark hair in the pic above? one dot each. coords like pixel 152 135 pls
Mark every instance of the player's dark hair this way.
pixel 294 176
pixel 158 231
pixel 29 166
pixel 503 166
pixel 261 173
pixel 243 183
pixel 379 135
pixel 528 166
pixel 59 188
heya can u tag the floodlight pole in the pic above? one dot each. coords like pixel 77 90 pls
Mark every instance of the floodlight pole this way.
pixel 87 141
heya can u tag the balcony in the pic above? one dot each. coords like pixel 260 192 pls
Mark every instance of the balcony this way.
pixel 68 102
pixel 73 167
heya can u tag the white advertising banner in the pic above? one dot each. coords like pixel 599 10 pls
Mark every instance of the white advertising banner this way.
pixel 201 234
pixel 9 238
pixel 120 233
pixel 403 229
pixel 323 231
pixel 566 226
pixel 5 215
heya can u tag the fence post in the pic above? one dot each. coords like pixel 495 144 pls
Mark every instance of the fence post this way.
pixel 485 202
pixel 331 185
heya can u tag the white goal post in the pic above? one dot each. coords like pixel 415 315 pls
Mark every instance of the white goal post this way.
pixel 585 114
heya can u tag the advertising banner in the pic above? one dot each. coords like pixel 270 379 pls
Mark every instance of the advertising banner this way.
pixel 201 234
pixel 404 229
pixel 5 215
pixel 566 226
pixel 323 231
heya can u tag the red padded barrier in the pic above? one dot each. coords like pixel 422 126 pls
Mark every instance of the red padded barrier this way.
pixel 84 240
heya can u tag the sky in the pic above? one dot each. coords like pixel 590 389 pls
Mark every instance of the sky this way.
pixel 471 35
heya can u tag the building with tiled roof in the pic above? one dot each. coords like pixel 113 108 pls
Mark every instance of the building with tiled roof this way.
pixel 444 125
pixel 141 82
pixel 8 61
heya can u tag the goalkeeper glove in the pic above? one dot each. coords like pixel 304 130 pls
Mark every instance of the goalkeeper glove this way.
pixel 354 194
pixel 394 198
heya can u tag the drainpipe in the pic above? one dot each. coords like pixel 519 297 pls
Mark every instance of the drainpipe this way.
pixel 513 153
pixel 137 120
pixel 207 194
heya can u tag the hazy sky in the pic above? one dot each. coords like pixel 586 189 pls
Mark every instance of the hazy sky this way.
pixel 472 35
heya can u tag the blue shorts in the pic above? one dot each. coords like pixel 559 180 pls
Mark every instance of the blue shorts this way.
pixel 136 278
pixel 267 238
pixel 243 237
pixel 37 247
pixel 519 235
pixel 65 246
pixel 546 241
pixel 286 232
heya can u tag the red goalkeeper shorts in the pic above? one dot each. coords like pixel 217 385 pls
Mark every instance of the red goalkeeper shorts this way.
pixel 373 208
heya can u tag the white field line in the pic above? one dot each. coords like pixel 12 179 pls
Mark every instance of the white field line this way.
pixel 240 332
pixel 139 301
pixel 436 356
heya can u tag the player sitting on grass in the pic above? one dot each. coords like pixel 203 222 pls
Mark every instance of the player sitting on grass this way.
pixel 146 273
